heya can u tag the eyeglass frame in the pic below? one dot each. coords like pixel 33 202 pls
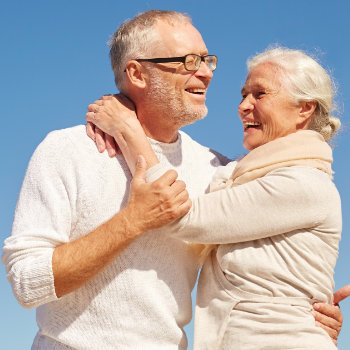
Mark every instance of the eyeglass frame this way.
pixel 181 59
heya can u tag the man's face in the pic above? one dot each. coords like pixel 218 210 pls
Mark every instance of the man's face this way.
pixel 172 91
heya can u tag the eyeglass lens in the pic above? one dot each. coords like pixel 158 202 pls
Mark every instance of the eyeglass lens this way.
pixel 193 62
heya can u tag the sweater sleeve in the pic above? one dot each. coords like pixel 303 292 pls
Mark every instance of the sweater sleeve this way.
pixel 285 200
pixel 42 222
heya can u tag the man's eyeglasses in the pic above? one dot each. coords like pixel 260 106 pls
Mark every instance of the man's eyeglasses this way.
pixel 192 62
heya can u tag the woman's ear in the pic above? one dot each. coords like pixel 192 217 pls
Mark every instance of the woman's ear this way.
pixel 136 74
pixel 307 109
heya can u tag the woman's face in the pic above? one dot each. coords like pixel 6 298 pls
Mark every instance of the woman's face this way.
pixel 266 110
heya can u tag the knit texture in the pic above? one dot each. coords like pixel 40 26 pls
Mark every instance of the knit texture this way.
pixel 139 301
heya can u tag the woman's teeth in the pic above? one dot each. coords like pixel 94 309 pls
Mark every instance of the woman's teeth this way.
pixel 247 125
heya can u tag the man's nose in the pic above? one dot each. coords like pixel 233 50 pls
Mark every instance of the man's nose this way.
pixel 204 71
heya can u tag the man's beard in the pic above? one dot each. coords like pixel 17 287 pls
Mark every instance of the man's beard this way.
pixel 163 99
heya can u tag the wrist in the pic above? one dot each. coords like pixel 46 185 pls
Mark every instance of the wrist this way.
pixel 133 226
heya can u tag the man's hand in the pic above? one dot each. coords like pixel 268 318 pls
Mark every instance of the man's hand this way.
pixel 104 117
pixel 155 204
pixel 329 317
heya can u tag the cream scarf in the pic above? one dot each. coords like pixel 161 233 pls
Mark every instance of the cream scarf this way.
pixel 302 148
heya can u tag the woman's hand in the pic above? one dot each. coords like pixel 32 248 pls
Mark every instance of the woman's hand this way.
pixel 107 118
pixel 115 117
pixel 155 204
pixel 329 317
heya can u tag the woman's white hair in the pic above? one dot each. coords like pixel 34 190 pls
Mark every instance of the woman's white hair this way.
pixel 137 38
pixel 308 81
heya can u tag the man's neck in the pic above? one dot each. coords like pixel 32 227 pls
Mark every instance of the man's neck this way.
pixel 156 130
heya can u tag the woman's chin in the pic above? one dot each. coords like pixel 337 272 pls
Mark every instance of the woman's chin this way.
pixel 250 143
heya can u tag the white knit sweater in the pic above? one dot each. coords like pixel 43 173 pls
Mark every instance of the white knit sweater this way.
pixel 139 301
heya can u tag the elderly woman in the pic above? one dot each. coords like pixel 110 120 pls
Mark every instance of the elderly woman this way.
pixel 274 219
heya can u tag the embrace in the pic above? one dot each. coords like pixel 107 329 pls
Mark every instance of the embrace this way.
pixel 107 247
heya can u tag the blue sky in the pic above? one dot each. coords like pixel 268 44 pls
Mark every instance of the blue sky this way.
pixel 54 62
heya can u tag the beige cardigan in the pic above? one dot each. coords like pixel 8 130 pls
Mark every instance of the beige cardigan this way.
pixel 278 237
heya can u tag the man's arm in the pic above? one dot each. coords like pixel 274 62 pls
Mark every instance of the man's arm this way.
pixel 41 264
pixel 75 263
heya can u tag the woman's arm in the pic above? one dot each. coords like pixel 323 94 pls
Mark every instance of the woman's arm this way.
pixel 285 200
pixel 115 116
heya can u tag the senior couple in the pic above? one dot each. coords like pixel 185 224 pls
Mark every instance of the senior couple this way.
pixel 110 263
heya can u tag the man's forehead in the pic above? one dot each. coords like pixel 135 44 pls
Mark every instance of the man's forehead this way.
pixel 180 39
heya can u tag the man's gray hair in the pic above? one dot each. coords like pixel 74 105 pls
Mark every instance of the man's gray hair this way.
pixel 306 80
pixel 137 38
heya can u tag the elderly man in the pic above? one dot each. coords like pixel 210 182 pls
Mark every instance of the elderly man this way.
pixel 74 252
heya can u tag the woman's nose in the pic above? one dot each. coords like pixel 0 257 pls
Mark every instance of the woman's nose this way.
pixel 246 104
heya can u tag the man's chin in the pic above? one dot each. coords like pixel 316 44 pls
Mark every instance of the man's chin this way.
pixel 200 113
pixel 194 116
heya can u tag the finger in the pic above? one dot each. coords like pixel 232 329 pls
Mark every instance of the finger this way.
pixel 331 332
pixel 140 171
pixel 110 145
pixel 168 178
pixel 341 294
pixel 184 207
pixel 99 102
pixel 90 118
pixel 93 107
pixel 178 186
pixel 90 130
pixel 100 140
pixel 181 197
pixel 326 320
pixel 107 97
pixel 330 311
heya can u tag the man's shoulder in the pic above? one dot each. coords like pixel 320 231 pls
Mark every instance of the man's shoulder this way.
pixel 74 133
pixel 63 139
pixel 63 146
pixel 203 150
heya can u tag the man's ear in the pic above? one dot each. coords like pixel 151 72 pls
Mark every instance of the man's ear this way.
pixel 136 74
pixel 307 109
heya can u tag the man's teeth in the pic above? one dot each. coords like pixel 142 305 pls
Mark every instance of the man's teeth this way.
pixel 196 91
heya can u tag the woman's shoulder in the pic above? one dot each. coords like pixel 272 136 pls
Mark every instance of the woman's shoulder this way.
pixel 307 180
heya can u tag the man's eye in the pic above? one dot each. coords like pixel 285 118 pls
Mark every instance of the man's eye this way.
pixel 190 60
pixel 260 93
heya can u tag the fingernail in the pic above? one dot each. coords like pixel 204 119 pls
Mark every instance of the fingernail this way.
pixel 316 306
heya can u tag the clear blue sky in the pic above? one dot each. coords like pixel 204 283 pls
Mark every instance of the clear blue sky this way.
pixel 54 62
